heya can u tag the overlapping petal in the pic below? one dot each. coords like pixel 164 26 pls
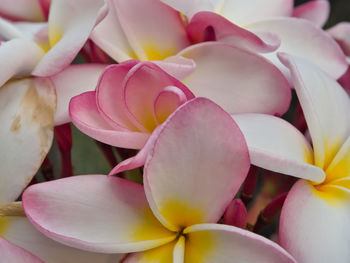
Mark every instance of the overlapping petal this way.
pixel 72 81
pixel 318 94
pixel 276 145
pixel 301 38
pixel 95 212
pixel 20 232
pixel 21 10
pixel 70 24
pixel 341 33
pixel 237 80
pixel 316 11
pixel 27 108
pixel 86 117
pixel 182 186
pixel 222 243
pixel 320 216
pixel 12 253
pixel 18 57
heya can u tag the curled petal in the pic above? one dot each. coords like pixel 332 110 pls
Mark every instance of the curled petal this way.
pixel 341 33
pixel 86 117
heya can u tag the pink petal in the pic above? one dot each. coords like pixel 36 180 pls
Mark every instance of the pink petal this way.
pixel 221 243
pixel 70 24
pixel 236 214
pixel 72 81
pixel 301 38
pixel 320 217
pixel 225 73
pixel 12 253
pixel 20 232
pixel 276 145
pixel 109 92
pixel 244 12
pixel 316 11
pixel 196 166
pixel 153 30
pixel 227 32
pixel 177 66
pixel 341 33
pixel 18 57
pixel 29 10
pixel 98 213
pixel 141 87
pixel 329 126
pixel 27 107
pixel 86 117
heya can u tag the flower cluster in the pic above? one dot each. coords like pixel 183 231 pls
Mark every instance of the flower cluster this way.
pixel 234 113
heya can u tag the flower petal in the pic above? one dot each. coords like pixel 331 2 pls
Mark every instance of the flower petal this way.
pixel 20 232
pixel 153 29
pixel 244 12
pixel 276 145
pixel 18 57
pixel 329 126
pixel 86 117
pixel 226 31
pixel 301 38
pixel 162 254
pixel 70 24
pixel 13 253
pixel 72 81
pixel 29 10
pixel 196 166
pixel 98 213
pixel 27 107
pixel 221 243
pixel 309 214
pixel 316 11
pixel 141 87
pixel 341 33
pixel 189 7
pixel 177 66
pixel 225 73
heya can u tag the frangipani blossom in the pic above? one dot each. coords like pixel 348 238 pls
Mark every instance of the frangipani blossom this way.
pixel 172 218
pixel 316 210
pixel 69 26
pixel 152 31
pixel 243 23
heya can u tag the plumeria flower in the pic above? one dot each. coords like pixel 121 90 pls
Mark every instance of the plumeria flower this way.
pixel 172 218
pixel 237 21
pixel 58 41
pixel 133 98
pixel 316 210
pixel 152 31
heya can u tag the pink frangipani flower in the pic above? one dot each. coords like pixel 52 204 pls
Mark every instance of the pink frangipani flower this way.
pixel 265 26
pixel 196 165
pixel 317 207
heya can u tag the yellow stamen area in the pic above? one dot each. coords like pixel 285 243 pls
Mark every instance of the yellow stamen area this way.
pixel 198 246
pixel 154 52
pixel 55 34
pixel 162 254
pixel 5 224
pixel 180 214
pixel 333 195
pixel 151 228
